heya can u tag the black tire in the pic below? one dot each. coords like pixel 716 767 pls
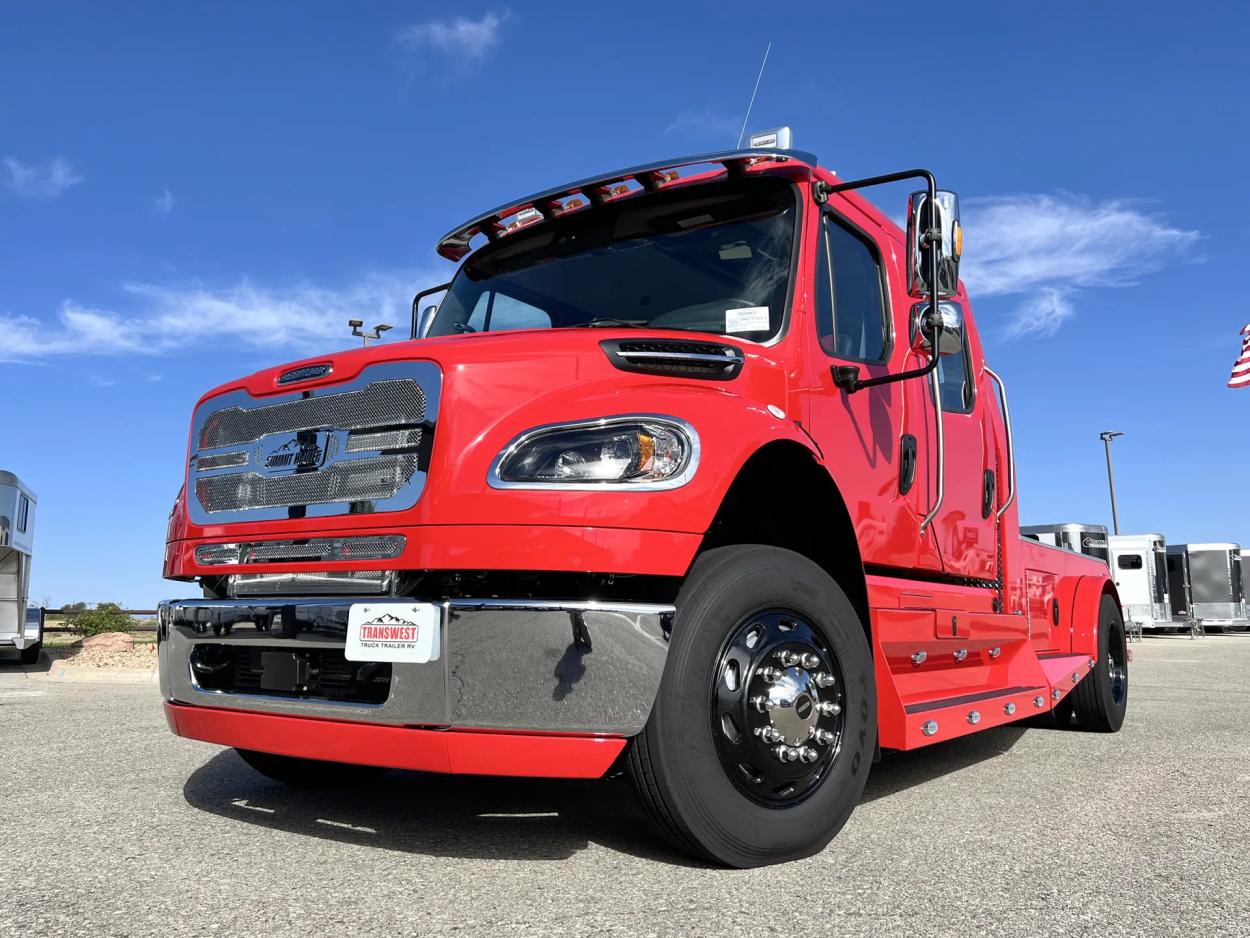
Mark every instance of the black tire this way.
pixel 308 773
pixel 30 654
pixel 677 764
pixel 1101 698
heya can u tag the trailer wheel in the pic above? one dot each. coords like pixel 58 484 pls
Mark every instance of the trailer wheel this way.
pixel 30 654
pixel 762 733
pixel 308 773
pixel 1101 698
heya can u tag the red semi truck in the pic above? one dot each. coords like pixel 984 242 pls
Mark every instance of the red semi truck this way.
pixel 697 470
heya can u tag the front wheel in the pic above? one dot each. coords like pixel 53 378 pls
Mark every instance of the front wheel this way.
pixel 763 730
pixel 30 654
pixel 1101 698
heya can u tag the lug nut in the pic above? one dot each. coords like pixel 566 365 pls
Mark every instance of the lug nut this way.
pixel 788 659
pixel 763 704
pixel 808 754
pixel 770 734
pixel 810 661
pixel 829 708
pixel 823 679
pixel 824 737
pixel 770 675
pixel 786 753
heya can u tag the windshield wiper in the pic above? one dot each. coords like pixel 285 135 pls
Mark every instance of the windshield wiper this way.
pixel 610 321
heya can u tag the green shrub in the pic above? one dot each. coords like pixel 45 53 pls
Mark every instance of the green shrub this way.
pixel 105 617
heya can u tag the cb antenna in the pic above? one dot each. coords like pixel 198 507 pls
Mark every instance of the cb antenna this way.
pixel 750 104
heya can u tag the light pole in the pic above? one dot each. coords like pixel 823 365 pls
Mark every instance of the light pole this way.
pixel 1107 436
pixel 366 336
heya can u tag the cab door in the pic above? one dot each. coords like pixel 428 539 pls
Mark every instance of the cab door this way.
pixel 856 300
pixel 965 527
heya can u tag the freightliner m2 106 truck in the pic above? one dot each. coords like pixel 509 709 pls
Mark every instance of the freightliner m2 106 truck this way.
pixel 696 471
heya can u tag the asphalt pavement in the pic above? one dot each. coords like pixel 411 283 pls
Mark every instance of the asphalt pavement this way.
pixel 109 825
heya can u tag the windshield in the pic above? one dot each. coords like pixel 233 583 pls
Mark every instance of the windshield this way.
pixel 715 258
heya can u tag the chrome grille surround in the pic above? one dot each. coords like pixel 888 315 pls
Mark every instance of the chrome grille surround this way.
pixel 360 446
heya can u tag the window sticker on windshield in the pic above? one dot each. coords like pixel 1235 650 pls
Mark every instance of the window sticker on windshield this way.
pixel 747 319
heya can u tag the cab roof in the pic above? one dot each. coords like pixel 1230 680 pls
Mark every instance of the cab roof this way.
pixel 597 190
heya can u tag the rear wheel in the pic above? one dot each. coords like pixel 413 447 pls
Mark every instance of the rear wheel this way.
pixel 762 733
pixel 308 773
pixel 30 654
pixel 1101 698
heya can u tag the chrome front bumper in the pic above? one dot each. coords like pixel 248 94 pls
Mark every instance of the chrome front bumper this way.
pixel 559 666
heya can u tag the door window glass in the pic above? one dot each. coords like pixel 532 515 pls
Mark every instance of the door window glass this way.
pixel 1129 562
pixel 850 304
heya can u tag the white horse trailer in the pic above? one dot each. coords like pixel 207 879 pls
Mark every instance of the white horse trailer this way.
pixel 1217 591
pixel 18 628
pixel 1139 568
pixel 1088 539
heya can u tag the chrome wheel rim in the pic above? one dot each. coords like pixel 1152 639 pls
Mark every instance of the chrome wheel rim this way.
pixel 778 707
pixel 1117 666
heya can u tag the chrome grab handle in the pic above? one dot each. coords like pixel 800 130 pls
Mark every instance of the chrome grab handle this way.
pixel 935 387
pixel 1011 455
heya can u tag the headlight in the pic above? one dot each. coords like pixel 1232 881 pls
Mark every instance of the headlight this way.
pixel 638 452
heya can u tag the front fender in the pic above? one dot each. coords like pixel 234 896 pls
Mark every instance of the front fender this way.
pixel 731 427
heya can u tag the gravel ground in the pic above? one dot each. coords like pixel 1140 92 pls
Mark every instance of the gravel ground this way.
pixel 111 826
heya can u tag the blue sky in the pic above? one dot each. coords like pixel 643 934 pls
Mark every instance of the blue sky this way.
pixel 188 193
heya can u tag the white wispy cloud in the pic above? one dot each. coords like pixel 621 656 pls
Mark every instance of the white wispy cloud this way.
pixel 160 319
pixel 45 180
pixel 164 203
pixel 458 37
pixel 705 123
pixel 1042 314
pixel 1049 247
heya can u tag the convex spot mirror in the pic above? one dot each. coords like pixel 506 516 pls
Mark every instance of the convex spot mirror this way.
pixel 427 320
pixel 951 341
pixel 942 219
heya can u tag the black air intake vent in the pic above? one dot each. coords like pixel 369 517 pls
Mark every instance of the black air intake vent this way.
pixel 681 359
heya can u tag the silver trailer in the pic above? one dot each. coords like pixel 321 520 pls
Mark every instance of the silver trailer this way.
pixel 1139 568
pixel 1180 594
pixel 1217 591
pixel 1088 539
pixel 18 627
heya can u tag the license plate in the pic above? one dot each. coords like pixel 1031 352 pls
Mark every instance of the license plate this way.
pixel 399 632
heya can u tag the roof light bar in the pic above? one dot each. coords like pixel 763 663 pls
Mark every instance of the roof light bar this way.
pixel 598 190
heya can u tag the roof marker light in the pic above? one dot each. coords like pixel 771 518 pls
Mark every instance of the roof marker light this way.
pixel 777 139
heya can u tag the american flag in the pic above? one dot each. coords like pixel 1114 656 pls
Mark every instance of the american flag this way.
pixel 1240 377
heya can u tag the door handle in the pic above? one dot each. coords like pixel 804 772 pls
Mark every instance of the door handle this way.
pixel 906 463
pixel 987 494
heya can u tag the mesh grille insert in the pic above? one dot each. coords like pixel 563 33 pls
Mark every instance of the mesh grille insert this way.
pixel 359 480
pixel 381 404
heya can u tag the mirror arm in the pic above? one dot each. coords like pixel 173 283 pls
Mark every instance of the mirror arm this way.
pixel 416 312
pixel 847 377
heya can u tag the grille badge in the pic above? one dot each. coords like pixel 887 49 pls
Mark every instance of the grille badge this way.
pixel 304 450
pixel 305 373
